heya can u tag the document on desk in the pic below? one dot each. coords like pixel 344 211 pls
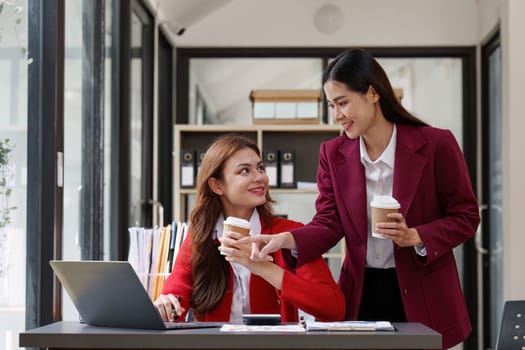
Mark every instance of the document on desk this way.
pixel 294 328
pixel 359 326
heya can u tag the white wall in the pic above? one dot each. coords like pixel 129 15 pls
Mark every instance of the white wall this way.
pixel 366 23
pixel 490 12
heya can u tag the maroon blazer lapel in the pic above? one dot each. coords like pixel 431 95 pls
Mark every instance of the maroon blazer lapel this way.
pixel 351 180
pixel 408 166
pixel 352 186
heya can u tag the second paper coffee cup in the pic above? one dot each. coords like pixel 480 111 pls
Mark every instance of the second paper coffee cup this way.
pixel 237 225
pixel 380 207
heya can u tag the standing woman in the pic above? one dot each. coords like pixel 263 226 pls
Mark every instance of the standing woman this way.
pixel 412 275
pixel 219 282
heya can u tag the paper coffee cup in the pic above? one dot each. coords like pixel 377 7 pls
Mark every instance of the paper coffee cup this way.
pixel 380 207
pixel 237 225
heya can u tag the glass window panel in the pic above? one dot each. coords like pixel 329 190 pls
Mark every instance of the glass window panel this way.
pixel 219 91
pixel 71 249
pixel 136 137
pixel 5 89
pixel 136 143
pixel 13 171
pixel 107 129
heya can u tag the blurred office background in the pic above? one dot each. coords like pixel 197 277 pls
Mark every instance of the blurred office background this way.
pixel 90 91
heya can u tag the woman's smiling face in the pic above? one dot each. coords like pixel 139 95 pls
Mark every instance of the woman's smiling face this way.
pixel 244 184
pixel 353 111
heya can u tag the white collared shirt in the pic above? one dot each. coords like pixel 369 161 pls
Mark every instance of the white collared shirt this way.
pixel 241 280
pixel 380 181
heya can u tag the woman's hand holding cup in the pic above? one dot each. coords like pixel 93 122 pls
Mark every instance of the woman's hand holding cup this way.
pixel 388 222
pixel 233 230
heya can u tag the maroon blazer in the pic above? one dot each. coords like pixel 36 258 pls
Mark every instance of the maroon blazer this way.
pixel 432 184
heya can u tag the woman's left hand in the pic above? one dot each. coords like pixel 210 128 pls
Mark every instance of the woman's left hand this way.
pixel 398 231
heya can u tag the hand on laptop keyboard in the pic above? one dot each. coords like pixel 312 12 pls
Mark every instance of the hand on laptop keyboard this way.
pixel 169 307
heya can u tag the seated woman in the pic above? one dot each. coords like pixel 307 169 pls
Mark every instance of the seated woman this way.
pixel 220 283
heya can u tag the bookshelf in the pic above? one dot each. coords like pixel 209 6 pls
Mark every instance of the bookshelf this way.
pixel 296 203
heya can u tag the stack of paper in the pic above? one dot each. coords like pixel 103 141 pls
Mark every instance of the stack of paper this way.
pixel 158 267
pixel 140 246
pixel 152 253
pixel 349 326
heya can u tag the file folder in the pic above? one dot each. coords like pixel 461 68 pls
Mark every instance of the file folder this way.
pixel 187 169
pixel 287 169
pixel 271 162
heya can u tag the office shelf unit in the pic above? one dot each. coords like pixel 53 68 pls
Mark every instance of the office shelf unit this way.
pixel 296 203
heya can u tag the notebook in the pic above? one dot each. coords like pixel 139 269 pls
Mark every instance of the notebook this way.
pixel 109 294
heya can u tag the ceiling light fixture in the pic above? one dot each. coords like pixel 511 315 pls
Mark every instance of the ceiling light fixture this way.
pixel 328 18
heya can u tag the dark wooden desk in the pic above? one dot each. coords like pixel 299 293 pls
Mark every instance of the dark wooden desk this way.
pixel 73 335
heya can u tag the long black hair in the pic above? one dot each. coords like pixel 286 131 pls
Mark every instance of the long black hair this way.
pixel 358 70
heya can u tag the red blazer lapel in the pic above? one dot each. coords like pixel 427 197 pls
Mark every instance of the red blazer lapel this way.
pixel 351 181
pixel 408 167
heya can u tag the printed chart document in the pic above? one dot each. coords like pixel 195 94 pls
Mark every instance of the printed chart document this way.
pixel 350 326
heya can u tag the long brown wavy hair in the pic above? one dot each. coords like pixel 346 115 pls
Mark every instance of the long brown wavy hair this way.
pixel 210 270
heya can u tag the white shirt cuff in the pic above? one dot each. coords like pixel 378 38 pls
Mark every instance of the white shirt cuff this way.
pixel 421 250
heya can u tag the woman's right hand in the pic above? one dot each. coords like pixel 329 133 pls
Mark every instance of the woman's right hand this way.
pixel 232 252
pixel 264 245
pixel 169 307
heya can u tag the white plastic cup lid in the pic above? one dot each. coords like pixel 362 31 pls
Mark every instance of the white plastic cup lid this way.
pixel 237 222
pixel 385 202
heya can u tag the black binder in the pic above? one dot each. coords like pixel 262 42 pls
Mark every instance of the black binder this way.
pixel 200 154
pixel 271 162
pixel 187 169
pixel 287 169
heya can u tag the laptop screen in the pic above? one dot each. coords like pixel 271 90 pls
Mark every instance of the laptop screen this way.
pixel 109 294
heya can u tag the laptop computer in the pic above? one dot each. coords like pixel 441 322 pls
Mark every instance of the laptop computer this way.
pixel 110 294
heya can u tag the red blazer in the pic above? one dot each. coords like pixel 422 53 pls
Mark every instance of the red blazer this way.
pixel 432 184
pixel 310 287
